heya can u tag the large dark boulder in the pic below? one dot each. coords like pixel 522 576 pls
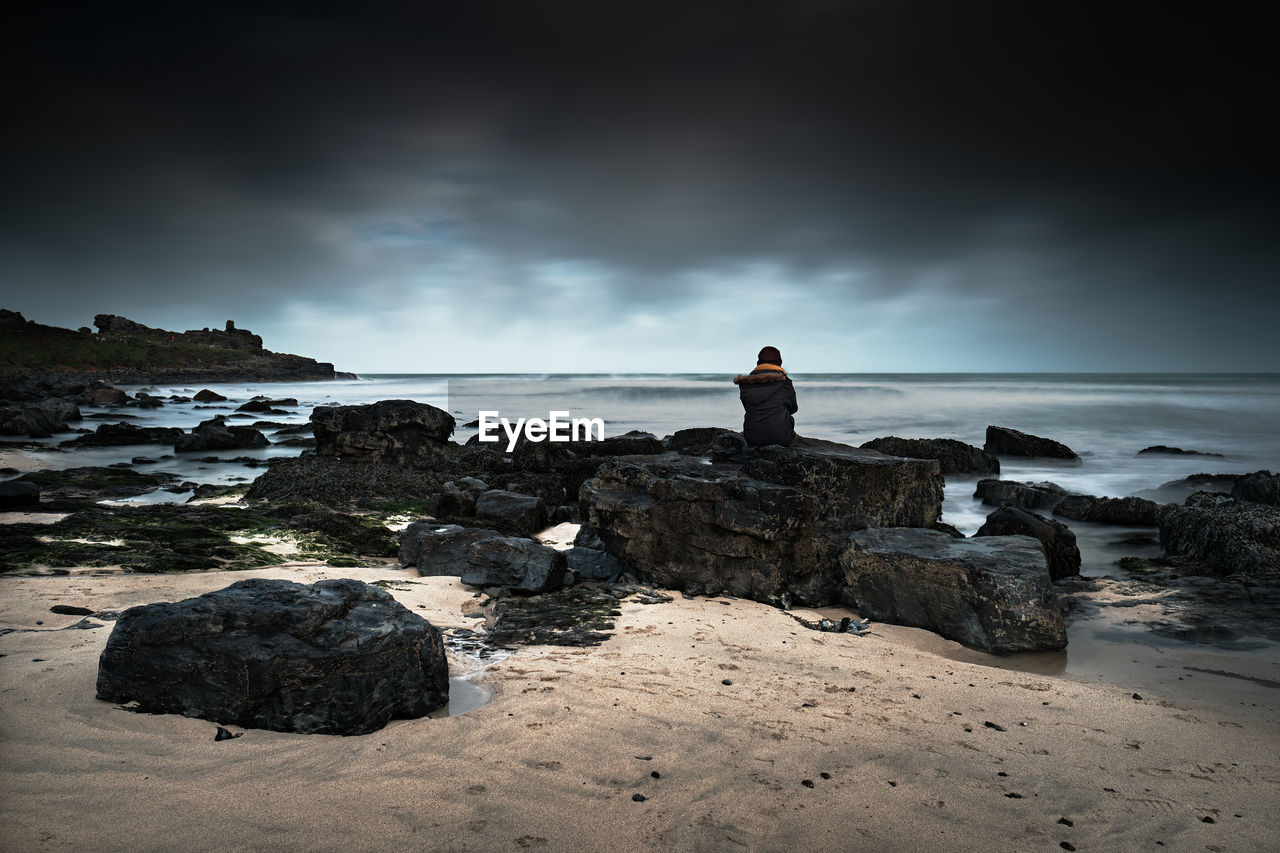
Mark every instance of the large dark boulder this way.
pixel 397 431
pixel 991 593
pixel 105 395
pixel 1237 537
pixel 216 434
pixel 766 527
pixel 337 657
pixel 1130 510
pixel 524 513
pixel 1003 441
pixel 514 563
pixel 1056 538
pixel 440 549
pixel 457 498
pixel 18 494
pixel 954 457
pixel 1261 487
pixel 204 395
pixel 994 492
pixel 123 434
pixel 695 441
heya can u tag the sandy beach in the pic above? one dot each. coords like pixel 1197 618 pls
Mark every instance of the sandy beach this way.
pixel 703 724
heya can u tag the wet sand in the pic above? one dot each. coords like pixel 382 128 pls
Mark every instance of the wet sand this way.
pixel 817 741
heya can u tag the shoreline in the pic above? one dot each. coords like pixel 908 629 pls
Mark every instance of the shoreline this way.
pixel 578 732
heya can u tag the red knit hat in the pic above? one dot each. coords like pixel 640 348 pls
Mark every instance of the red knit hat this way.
pixel 769 355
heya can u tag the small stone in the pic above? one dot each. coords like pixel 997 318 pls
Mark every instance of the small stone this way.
pixel 1067 845
pixel 223 734
pixel 1065 822
pixel 1138 696
pixel 1206 819
pixel 655 774
pixel 990 725
pixel 825 775
pixel 808 783
pixel 1013 795
pixel 638 798
pixel 726 681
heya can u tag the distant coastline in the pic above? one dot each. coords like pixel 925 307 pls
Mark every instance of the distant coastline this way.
pixel 129 353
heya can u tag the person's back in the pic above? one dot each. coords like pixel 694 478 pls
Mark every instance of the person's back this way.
pixel 768 401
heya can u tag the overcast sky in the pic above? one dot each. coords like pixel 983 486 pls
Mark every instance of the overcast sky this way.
pixel 609 186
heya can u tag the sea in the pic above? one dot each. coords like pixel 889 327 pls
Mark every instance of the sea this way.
pixel 1106 418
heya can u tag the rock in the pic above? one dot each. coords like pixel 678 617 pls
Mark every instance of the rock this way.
pixel 1176 491
pixel 1056 538
pixel 336 657
pixel 696 441
pixel 440 550
pixel 1021 495
pixel 628 444
pixel 1240 537
pixel 955 457
pixel 1208 499
pixel 767 527
pixel 457 498
pixel 593 564
pixel 524 513
pixel 124 434
pixel 398 431
pixel 206 396
pixel 105 395
pixel 1165 450
pixel 146 401
pixel 16 494
pixel 992 593
pixel 1003 441
pixel 1128 510
pixel 336 482
pixel 1261 487
pixel 519 564
pixel 30 421
pixel 215 434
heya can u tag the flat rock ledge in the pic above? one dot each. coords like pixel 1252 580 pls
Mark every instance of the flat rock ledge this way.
pixel 767 525
pixel 337 657
pixel 992 593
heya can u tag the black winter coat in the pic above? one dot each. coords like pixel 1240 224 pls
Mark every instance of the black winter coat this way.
pixel 769 401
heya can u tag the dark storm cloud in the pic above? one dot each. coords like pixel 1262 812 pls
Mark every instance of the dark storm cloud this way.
pixel 1048 157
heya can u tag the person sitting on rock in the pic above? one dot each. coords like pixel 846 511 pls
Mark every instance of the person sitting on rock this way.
pixel 768 400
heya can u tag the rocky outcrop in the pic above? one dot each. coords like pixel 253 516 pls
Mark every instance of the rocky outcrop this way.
pixel 337 657
pixel 397 431
pixel 15 495
pixel 588 560
pixel 1238 537
pixel 204 395
pixel 127 352
pixel 1003 441
pixel 122 434
pixel 766 527
pixel 39 419
pixel 1165 450
pixel 954 457
pixel 216 434
pixel 1260 487
pixel 1057 540
pixel 457 498
pixel 1130 510
pixel 991 593
pixel 1045 496
pixel 338 483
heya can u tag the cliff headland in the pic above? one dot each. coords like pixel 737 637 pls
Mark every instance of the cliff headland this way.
pixel 129 353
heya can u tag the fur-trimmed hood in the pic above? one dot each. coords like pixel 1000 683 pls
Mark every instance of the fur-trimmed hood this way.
pixel 760 378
